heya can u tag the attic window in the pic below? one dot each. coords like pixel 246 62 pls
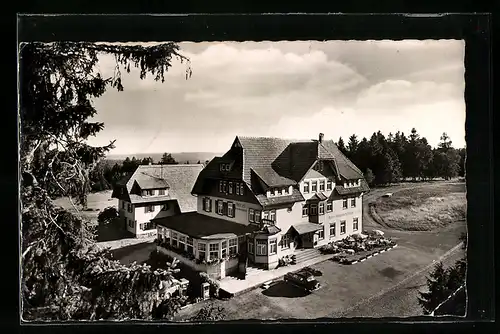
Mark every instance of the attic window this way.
pixel 224 167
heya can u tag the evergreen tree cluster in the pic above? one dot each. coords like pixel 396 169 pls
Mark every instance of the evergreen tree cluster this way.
pixel 398 157
pixel 64 274
pixel 442 283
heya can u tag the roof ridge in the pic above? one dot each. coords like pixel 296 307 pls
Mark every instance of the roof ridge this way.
pixel 279 138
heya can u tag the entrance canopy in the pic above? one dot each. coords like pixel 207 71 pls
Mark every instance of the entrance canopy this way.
pixel 304 228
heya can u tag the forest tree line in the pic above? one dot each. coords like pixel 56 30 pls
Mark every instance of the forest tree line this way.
pixel 398 157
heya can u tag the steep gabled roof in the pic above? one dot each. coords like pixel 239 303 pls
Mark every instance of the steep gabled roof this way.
pixel 178 178
pixel 276 162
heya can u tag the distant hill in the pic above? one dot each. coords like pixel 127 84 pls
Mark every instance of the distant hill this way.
pixel 180 157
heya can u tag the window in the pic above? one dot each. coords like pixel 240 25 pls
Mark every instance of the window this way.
pixel 342 227
pixel 306 187
pixel 148 226
pixel 175 237
pixel 258 215
pixel 233 246
pixel 329 185
pixel 314 209
pixel 355 224
pixel 237 186
pixel 220 207
pixel 261 247
pixel 221 186
pixel 265 215
pixel 164 207
pixel 224 186
pixel 321 208
pixel 131 223
pixel 329 206
pixel 230 210
pixel 182 242
pixel 149 208
pixel 344 203
pixel 241 189
pixel 189 245
pixel 332 229
pixel 250 247
pixel 147 193
pixel 272 215
pixel 273 247
pixel 230 187
pixel 353 202
pixel 305 210
pixel 251 215
pixel 285 241
pixel 161 192
pixel 224 249
pixel 123 205
pixel 202 251
pixel 321 233
pixel 281 192
pixel 314 187
pixel 213 251
pixel 207 204
pixel 322 185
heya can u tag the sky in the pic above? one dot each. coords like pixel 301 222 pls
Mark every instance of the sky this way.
pixel 290 90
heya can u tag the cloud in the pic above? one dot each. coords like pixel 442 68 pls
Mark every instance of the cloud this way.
pixel 288 89
pixel 392 93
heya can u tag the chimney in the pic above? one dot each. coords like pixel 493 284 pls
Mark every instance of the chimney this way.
pixel 321 137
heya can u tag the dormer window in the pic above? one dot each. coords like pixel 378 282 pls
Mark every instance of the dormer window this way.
pixel 148 193
pixel 224 167
pixel 161 192
pixel 329 185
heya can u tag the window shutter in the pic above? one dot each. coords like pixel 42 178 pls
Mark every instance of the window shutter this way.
pixel 209 205
pixel 241 189
pixel 224 208
pixel 204 206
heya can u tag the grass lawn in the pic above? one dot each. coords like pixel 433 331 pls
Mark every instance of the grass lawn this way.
pixel 423 208
pixel 96 202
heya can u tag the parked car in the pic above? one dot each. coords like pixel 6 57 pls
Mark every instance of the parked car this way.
pixel 303 280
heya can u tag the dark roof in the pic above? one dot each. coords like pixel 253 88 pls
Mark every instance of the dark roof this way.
pixel 341 191
pixel 271 178
pixel 200 226
pixel 150 182
pixel 268 202
pixel 180 180
pixel 319 197
pixel 277 162
pixel 268 230
pixel 304 228
pixel 282 159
